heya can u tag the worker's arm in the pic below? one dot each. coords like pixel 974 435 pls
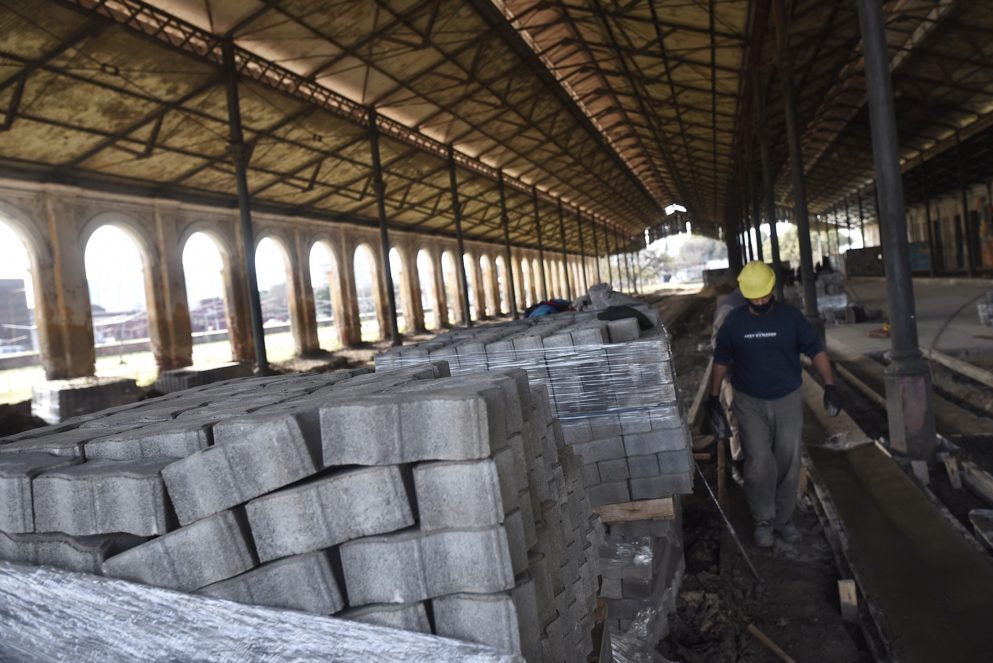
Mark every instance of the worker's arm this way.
pixel 717 376
pixel 832 397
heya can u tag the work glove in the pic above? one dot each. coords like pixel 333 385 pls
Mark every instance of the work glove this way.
pixel 832 400
pixel 719 425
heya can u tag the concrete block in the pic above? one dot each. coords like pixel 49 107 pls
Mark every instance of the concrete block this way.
pixel 103 497
pixel 453 561
pixel 623 331
pixel 458 494
pixel 598 450
pixel 649 488
pixel 403 616
pixel 635 421
pixel 384 569
pixel 590 474
pixel 613 470
pixel 192 557
pixel 172 439
pixel 63 443
pixel 527 515
pixel 57 400
pixel 606 425
pixel 327 511
pixel 406 427
pixel 251 456
pixel 525 601
pixel 487 619
pixel 643 466
pixel 640 444
pixel 675 462
pixel 84 554
pixel 507 475
pixel 516 541
pixel 610 493
pixel 302 582
pixel 16 474
pixel 521 461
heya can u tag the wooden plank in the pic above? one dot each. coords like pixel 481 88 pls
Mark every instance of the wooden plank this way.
pixel 701 394
pixel 802 483
pixel 625 512
pixel 703 456
pixel 978 481
pixel 848 600
pixel 965 368
pixel 862 387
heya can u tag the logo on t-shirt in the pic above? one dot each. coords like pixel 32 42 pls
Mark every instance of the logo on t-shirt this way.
pixel 760 335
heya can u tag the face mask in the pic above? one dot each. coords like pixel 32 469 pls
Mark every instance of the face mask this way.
pixel 762 309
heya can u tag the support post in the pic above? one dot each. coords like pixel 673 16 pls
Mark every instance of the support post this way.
pixel 596 250
pixel 565 253
pixel 800 207
pixel 384 234
pixel 239 154
pixel 858 195
pixel 770 208
pixel 756 215
pixel 732 241
pixel 541 246
pixel 848 223
pixel 932 258
pixel 606 246
pixel 453 181
pixel 504 221
pixel 582 249
pixel 908 378
pixel 963 187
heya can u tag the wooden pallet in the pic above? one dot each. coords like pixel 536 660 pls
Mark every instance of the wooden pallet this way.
pixel 659 509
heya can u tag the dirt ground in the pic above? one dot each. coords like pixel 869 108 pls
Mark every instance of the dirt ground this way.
pixel 796 604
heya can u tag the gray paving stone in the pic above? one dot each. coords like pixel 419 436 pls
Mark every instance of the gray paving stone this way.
pixel 452 560
pixel 623 331
pixel 462 423
pixel 598 450
pixel 63 443
pixel 187 559
pixel 487 619
pixel 610 493
pixel 404 616
pixel 661 486
pixel 83 554
pixel 330 510
pixel 16 474
pixel 525 601
pixel 516 541
pixel 384 569
pixel 171 439
pixel 613 470
pixel 675 462
pixel 458 494
pixel 591 475
pixel 251 456
pixel 102 497
pixel 302 582
pixel 643 466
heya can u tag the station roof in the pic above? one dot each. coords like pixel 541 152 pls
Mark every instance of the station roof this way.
pixel 607 110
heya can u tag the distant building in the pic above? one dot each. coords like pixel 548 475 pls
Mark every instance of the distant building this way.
pixel 209 315
pixel 17 328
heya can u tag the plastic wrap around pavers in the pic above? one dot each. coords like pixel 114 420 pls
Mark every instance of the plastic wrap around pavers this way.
pixel 610 384
pixel 449 506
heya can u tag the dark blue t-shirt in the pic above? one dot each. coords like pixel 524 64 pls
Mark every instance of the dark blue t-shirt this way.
pixel 765 349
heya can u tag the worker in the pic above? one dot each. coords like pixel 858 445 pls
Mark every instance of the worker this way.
pixel 761 342
pixel 725 304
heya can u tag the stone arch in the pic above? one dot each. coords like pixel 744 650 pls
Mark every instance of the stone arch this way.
pixel 208 297
pixel 503 284
pixel 537 282
pixel 527 285
pixel 368 293
pixel 468 264
pixel 489 305
pixel 325 278
pixel 453 287
pixel 18 327
pixel 431 304
pixel 276 296
pixel 399 270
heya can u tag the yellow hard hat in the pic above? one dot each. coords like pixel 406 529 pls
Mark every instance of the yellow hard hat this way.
pixel 756 280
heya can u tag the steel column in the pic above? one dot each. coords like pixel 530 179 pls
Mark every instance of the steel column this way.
pixel 858 195
pixel 582 248
pixel 932 270
pixel 240 155
pixel 963 187
pixel 756 214
pixel 506 243
pixel 770 209
pixel 384 233
pixel 541 246
pixel 596 250
pixel 606 244
pixel 800 207
pixel 453 181
pixel 908 378
pixel 565 253
pixel 731 240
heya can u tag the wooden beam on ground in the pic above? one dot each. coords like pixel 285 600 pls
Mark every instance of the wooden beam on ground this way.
pixel 965 368
pixel 978 481
pixel 625 512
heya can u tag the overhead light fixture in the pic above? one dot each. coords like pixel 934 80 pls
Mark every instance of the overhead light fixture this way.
pixel 673 208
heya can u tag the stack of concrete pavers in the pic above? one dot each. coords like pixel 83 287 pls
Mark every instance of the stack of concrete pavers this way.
pixel 180 379
pixel 58 400
pixel 642 567
pixel 405 498
pixel 611 385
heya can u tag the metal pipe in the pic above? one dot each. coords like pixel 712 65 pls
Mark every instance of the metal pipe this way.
pixel 541 246
pixel 506 243
pixel 800 207
pixel 908 378
pixel 582 248
pixel 457 213
pixel 384 234
pixel 963 187
pixel 756 214
pixel 239 154
pixel 770 207
pixel 565 253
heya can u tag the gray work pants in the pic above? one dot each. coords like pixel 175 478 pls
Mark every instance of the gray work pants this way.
pixel 770 437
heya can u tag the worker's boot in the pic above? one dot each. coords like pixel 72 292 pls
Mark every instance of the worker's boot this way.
pixel 763 534
pixel 789 533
